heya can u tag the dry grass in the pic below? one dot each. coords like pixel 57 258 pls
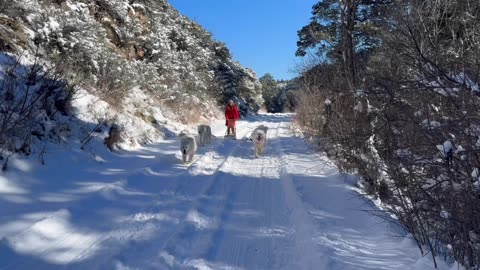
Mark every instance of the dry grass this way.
pixel 12 35
pixel 186 111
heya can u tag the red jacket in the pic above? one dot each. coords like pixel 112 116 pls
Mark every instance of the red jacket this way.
pixel 231 112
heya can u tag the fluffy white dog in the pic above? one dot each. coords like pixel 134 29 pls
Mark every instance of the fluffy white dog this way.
pixel 204 134
pixel 188 146
pixel 259 139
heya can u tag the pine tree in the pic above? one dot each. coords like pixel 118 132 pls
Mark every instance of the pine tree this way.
pixel 269 91
pixel 340 30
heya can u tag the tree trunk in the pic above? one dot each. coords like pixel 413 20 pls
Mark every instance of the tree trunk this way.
pixel 348 12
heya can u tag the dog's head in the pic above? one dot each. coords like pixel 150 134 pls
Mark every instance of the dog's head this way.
pixel 187 143
pixel 185 149
pixel 259 136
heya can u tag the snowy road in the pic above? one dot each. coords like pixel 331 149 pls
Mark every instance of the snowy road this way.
pixel 142 209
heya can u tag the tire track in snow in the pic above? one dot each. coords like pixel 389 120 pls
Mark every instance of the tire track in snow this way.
pixel 135 231
pixel 306 253
pixel 238 250
pixel 210 183
pixel 94 242
pixel 180 184
pixel 219 214
pixel 131 232
pixel 198 204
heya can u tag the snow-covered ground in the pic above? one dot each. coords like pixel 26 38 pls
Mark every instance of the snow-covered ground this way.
pixel 143 209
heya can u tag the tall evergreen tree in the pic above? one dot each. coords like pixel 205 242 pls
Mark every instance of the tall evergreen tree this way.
pixel 340 30
pixel 269 90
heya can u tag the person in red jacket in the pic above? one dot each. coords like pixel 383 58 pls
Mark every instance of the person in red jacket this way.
pixel 231 115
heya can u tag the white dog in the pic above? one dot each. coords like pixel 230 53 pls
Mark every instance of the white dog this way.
pixel 188 146
pixel 259 138
pixel 204 134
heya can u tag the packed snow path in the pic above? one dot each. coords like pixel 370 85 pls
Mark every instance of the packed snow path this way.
pixel 290 209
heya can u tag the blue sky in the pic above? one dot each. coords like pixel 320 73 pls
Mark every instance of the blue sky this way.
pixel 261 34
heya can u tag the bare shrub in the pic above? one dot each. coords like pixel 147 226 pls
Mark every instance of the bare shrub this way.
pixel 411 128
pixel 425 104
pixel 185 109
pixel 29 97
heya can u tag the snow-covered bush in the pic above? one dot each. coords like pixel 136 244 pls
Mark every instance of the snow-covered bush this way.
pixel 112 81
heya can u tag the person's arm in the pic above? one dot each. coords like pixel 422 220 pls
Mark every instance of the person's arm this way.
pixel 237 112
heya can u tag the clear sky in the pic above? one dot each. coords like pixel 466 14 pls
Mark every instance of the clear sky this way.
pixel 261 34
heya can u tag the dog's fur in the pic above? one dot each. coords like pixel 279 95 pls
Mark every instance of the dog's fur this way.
pixel 204 134
pixel 259 139
pixel 188 147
